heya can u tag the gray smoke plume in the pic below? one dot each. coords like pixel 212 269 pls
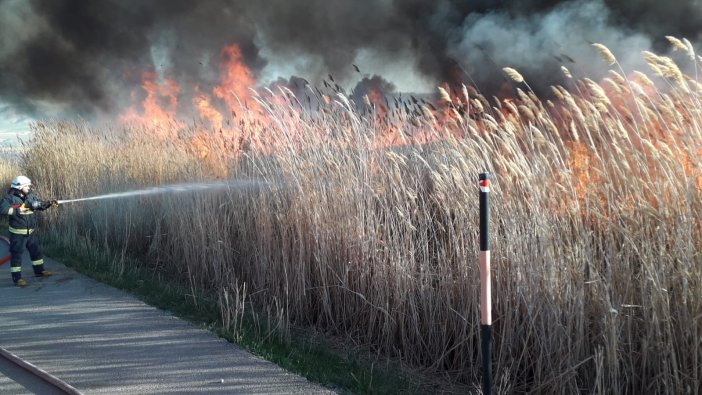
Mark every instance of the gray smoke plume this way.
pixel 538 44
pixel 86 57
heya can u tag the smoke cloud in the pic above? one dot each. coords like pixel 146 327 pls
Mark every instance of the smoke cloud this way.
pixel 538 44
pixel 85 57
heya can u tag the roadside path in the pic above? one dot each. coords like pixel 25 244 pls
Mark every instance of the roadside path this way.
pixel 104 341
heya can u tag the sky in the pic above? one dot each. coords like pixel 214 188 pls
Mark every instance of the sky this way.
pixel 13 126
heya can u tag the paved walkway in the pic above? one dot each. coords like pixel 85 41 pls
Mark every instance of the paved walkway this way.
pixel 103 341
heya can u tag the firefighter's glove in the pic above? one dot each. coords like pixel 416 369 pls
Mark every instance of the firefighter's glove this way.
pixel 54 203
pixel 40 206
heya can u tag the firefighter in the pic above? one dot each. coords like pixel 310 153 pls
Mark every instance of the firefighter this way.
pixel 20 206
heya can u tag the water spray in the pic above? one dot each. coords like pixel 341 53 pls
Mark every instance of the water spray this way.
pixel 175 188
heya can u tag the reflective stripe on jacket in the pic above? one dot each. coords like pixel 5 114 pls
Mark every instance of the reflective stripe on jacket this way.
pixel 22 222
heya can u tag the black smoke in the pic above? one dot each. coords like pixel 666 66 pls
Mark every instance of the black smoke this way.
pixel 83 57
pixel 376 89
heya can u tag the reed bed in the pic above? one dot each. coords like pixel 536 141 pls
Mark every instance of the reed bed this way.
pixel 366 226
pixel 8 168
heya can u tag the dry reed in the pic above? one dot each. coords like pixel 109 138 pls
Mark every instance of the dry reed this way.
pixel 367 228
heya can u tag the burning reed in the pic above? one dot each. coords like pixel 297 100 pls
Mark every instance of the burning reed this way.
pixel 370 230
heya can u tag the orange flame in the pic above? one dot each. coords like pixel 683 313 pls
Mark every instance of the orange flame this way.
pixel 207 112
pixel 236 79
pixel 159 106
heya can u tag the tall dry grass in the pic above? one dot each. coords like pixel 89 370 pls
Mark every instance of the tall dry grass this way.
pixel 9 168
pixel 596 226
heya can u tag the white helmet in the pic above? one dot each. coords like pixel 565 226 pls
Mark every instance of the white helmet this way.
pixel 20 182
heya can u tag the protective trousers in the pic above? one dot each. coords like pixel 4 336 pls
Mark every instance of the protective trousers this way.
pixel 17 245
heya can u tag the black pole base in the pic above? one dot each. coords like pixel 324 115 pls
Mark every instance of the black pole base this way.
pixel 486 340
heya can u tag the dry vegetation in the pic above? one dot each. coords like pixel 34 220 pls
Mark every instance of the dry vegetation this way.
pixel 8 169
pixel 596 224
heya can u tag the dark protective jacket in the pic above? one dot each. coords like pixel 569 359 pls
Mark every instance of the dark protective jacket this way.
pixel 22 222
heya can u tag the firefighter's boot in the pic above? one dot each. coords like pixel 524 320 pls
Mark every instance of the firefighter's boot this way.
pixel 21 283
pixel 43 273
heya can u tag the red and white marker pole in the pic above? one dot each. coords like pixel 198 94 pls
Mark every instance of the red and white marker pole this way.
pixel 485 289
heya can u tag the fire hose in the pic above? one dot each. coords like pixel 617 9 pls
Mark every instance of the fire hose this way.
pixel 9 255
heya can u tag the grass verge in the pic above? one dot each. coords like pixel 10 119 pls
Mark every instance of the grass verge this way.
pixel 310 355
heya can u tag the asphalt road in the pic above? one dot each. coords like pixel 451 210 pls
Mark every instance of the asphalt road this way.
pixel 103 341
